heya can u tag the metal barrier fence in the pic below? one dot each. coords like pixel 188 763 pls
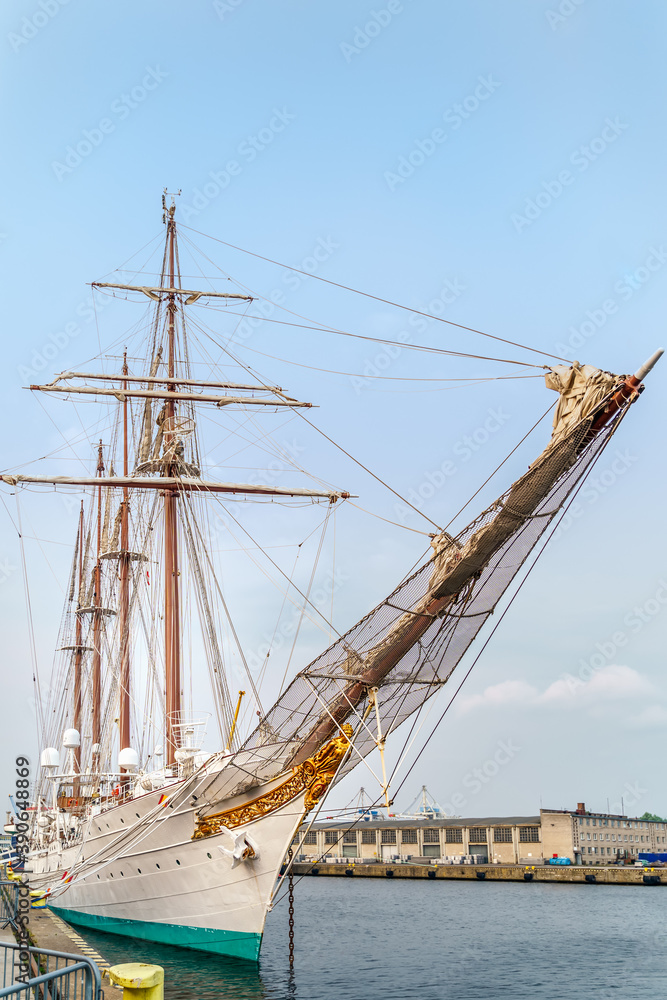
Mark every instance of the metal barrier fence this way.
pixel 9 901
pixel 54 975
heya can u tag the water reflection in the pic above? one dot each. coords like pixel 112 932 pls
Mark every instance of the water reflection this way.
pixel 188 975
pixel 388 940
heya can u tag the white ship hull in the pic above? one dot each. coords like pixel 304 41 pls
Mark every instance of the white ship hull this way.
pixel 163 885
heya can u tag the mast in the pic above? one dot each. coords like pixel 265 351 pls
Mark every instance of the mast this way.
pixel 78 652
pixel 97 617
pixel 172 629
pixel 124 602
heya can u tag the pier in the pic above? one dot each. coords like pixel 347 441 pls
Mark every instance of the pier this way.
pixel 490 873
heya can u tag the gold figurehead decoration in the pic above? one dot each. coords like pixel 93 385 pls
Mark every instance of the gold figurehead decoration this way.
pixel 314 776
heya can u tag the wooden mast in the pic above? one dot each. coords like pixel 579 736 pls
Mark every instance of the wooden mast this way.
pixel 172 637
pixel 124 603
pixel 78 653
pixel 97 619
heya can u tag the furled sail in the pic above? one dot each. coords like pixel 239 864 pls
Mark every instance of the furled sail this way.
pixel 408 646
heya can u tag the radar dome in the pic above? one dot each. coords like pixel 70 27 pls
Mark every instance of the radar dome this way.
pixel 128 758
pixel 50 757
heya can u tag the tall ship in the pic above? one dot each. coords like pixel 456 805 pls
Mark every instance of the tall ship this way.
pixel 137 828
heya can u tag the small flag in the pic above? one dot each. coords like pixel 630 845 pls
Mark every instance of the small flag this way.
pixel 163 800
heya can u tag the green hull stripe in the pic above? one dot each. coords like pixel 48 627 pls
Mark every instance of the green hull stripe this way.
pixel 237 944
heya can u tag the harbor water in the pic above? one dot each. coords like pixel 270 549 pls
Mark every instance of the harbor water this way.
pixel 435 940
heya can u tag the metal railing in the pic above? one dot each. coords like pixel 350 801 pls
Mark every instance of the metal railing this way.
pixel 9 902
pixel 53 975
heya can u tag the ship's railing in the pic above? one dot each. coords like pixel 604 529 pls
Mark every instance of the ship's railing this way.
pixel 9 902
pixel 40 974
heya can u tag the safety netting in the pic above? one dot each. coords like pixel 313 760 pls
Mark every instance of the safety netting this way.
pixel 406 649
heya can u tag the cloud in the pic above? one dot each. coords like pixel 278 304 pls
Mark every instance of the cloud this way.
pixel 613 683
pixel 506 693
pixel 652 717
pixel 609 683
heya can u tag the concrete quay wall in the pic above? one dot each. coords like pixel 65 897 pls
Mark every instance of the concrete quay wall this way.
pixel 491 873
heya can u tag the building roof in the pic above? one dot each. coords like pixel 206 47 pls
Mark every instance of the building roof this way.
pixel 397 823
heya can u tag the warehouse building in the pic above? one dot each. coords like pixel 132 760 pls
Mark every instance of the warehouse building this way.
pixel 584 837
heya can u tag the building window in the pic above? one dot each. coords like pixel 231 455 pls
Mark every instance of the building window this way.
pixel 529 834
pixel 477 835
pixel 595 836
pixel 433 836
pixel 350 837
pixel 388 836
pixel 453 835
pixel 502 835
pixel 368 837
pixel 408 836
pixel 590 850
pixel 331 836
pixel 310 837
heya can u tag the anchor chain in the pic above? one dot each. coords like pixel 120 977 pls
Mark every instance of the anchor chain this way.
pixel 291 910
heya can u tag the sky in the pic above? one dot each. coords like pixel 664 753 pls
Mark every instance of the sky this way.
pixel 497 165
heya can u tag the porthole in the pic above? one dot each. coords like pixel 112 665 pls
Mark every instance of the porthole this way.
pixel 137 815
pixel 139 870
pixel 107 826
pixel 122 820
pixel 177 861
pixel 98 877
pixel 121 874
pixel 208 855
pixel 157 865
pixel 110 874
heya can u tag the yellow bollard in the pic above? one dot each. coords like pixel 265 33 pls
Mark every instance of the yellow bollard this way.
pixel 139 980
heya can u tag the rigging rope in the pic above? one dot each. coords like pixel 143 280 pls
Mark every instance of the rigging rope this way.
pixel 340 448
pixel 377 298
pixel 31 627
